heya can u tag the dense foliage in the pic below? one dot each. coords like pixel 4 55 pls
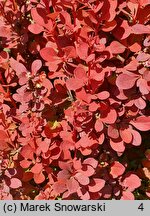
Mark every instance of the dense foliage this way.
pixel 74 99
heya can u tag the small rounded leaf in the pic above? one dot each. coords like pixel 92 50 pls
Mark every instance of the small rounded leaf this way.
pixel 15 183
pixel 131 182
pixel 117 169
pixel 142 123
pixel 125 81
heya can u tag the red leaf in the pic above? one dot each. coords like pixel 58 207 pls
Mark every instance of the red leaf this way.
pixel 27 176
pixel 17 66
pixel 96 185
pixel 143 56
pixel 82 95
pixel 140 29
pixel 85 142
pixel 65 18
pixel 113 132
pixel 15 183
pixel 109 26
pixel 86 151
pixel 44 145
pixel 143 87
pixel 3 135
pixel 74 84
pixel 91 161
pixel 82 179
pixel 140 103
pixel 131 181
pixel 110 117
pixel 116 47
pixel 98 125
pixel 39 16
pixel 25 163
pixel 117 169
pixel 137 140
pixel 87 170
pixel 142 123
pixel 82 50
pixel 37 168
pixel 4 145
pixel 103 95
pixel 35 28
pixel 125 81
pixel 93 106
pixel 135 47
pixel 83 194
pixel 39 178
pixel 72 185
pixel 27 152
pixel 127 195
pixel 118 146
pixel 63 175
pixel 146 42
pixel 48 54
pixel 48 85
pixel 59 187
pixel 36 65
pixel 132 66
pixel 80 73
pixel 70 52
pixel 23 79
pixel 126 135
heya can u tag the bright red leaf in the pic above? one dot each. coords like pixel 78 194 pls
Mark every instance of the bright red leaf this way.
pixel 15 183
pixel 117 169
pixel 131 182
pixel 142 123
pixel 125 81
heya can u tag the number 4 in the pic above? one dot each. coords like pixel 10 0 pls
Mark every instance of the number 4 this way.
pixel 141 207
